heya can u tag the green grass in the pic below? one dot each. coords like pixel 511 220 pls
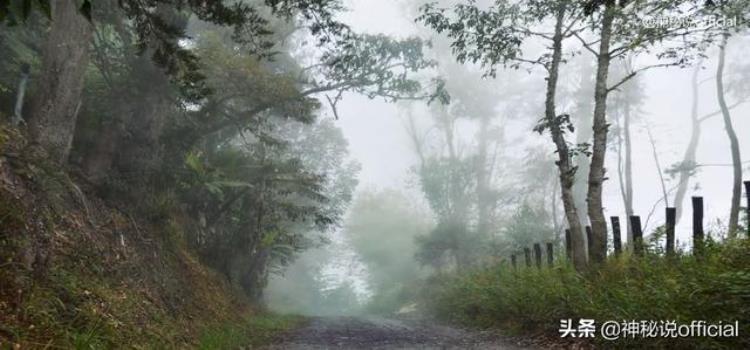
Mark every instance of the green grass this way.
pixel 256 330
pixel 714 289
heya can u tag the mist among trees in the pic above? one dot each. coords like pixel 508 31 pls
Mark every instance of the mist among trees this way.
pixel 493 164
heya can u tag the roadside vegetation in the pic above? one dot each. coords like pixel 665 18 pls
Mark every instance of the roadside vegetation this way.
pixel 171 168
pixel 652 288
pixel 256 330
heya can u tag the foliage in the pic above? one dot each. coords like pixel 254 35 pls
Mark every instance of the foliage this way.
pixel 307 287
pixel 488 37
pixel 379 66
pixel 382 227
pixel 625 288
pixel 255 330
pixel 84 275
pixel 158 26
pixel 200 108
pixel 527 226
pixel 448 185
pixel 298 197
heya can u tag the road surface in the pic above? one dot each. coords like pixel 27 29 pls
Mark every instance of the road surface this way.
pixel 379 333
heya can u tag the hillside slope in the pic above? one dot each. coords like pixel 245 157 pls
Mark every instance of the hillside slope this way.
pixel 76 272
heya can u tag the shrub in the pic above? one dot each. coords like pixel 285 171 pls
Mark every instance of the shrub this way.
pixel 683 288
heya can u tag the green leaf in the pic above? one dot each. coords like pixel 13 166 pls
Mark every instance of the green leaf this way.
pixel 269 238
pixel 232 184
pixel 193 162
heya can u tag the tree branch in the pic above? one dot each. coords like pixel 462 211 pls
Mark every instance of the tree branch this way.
pixel 585 44
pixel 715 113
pixel 635 72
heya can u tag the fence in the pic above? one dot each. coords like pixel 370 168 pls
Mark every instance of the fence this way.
pixel 637 230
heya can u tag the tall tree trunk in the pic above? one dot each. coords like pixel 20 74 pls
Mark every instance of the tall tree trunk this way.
pixel 621 176
pixel 597 171
pixel 734 211
pixel 564 163
pixel 55 106
pixel 688 160
pixel 582 164
pixel 655 154
pixel 582 115
pixel 628 171
pixel 556 229
pixel 625 161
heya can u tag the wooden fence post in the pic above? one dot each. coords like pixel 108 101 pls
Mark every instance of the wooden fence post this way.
pixel 568 245
pixel 538 255
pixel 527 256
pixel 550 255
pixel 671 221
pixel 617 243
pixel 589 242
pixel 747 209
pixel 697 226
pixel 635 224
pixel 513 262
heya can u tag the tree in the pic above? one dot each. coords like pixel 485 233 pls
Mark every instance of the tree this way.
pixel 266 196
pixel 617 37
pixel 734 146
pixel 55 105
pixel 493 37
pixel 624 108
pixel 584 79
pixel 555 124
pixel 57 101
pixel 689 166
pixel 448 184
pixel 459 178
pixel 382 227
pixel 527 226
pixel 542 194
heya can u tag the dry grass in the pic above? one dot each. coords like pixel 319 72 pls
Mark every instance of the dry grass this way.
pixel 77 273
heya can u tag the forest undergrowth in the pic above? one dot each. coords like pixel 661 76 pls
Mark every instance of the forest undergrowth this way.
pixel 78 273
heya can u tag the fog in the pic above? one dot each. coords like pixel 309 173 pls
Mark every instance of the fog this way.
pixel 486 162
pixel 378 134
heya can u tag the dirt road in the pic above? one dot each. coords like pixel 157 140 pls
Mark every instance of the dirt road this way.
pixel 380 333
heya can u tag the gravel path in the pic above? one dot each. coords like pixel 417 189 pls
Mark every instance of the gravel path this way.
pixel 381 333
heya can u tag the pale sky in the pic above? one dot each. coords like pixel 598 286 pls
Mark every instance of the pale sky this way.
pixel 379 142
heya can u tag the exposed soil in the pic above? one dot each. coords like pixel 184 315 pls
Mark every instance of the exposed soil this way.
pixel 381 333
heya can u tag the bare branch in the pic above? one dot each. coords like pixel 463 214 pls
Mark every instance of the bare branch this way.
pixel 334 103
pixel 635 72
pixel 715 113
pixel 585 44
